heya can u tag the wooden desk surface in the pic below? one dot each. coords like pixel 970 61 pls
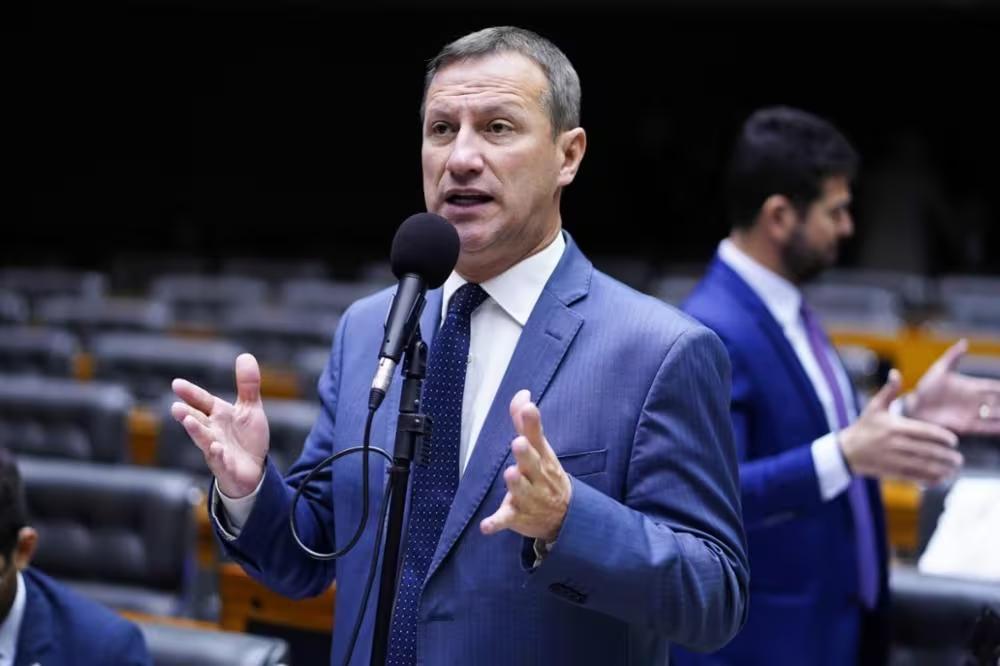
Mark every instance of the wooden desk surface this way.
pixel 902 513
pixel 245 600
pixel 182 622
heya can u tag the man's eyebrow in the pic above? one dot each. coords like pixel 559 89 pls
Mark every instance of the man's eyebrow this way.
pixel 491 109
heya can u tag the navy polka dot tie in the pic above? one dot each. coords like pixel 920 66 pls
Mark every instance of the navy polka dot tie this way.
pixel 434 485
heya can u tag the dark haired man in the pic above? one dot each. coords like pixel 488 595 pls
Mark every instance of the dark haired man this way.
pixel 41 621
pixel 810 458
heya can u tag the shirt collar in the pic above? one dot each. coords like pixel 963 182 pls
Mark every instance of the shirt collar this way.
pixel 782 298
pixel 11 626
pixel 517 289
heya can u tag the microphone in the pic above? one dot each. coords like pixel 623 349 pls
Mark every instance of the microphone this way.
pixel 424 252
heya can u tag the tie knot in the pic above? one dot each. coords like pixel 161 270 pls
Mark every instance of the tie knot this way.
pixel 464 301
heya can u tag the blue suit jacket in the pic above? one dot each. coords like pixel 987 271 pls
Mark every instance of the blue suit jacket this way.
pixel 634 398
pixel 61 628
pixel 802 550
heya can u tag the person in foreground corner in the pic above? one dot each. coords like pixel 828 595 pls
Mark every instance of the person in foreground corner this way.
pixel 42 622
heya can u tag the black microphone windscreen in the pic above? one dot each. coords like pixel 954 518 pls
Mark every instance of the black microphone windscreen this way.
pixel 427 245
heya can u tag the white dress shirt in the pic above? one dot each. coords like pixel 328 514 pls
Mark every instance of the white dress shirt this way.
pixel 496 327
pixel 784 300
pixel 10 629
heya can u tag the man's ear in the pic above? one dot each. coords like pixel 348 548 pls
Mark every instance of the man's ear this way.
pixel 27 542
pixel 778 218
pixel 571 144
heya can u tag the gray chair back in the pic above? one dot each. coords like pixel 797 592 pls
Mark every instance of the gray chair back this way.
pixel 64 419
pixel 89 318
pixel 148 363
pixel 29 350
pixel 181 646
pixel 119 534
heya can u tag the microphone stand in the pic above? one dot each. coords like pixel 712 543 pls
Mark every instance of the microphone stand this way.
pixel 411 429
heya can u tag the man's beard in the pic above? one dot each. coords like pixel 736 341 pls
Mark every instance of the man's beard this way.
pixel 802 262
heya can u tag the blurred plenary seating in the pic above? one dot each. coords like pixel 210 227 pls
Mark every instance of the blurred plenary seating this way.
pixel 13 308
pixel 958 285
pixel 203 300
pixel 273 270
pixel 35 284
pixel 309 364
pixel 973 314
pixel 118 534
pixel 631 270
pixel 178 645
pixel 89 318
pixel 856 307
pixel 913 289
pixel 147 363
pixel 289 422
pixel 275 334
pixel 673 289
pixel 30 350
pixel 64 419
pixel 326 296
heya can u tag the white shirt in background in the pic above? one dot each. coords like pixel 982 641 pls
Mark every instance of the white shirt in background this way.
pixel 784 300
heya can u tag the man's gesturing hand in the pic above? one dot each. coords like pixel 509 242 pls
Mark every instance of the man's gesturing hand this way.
pixel 538 488
pixel 233 437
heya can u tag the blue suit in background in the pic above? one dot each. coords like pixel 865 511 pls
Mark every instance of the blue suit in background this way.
pixel 634 397
pixel 804 608
pixel 62 628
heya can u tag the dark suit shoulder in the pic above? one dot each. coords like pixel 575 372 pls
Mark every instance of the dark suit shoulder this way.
pixel 716 307
pixel 82 627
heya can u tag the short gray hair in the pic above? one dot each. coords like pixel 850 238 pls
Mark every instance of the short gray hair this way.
pixel 561 100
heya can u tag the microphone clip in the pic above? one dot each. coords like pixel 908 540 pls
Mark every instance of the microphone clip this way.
pixel 417 428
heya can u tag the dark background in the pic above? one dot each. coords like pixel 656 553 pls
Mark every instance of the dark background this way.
pixel 291 129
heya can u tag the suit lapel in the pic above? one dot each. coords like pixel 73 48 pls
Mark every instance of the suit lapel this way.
pixel 752 303
pixel 543 344
pixel 36 628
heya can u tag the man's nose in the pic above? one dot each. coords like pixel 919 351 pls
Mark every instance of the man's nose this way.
pixel 466 157
pixel 847 225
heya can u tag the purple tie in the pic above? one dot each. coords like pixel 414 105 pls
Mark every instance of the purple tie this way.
pixel 864 530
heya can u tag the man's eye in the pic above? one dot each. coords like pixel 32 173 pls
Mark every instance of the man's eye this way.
pixel 499 127
pixel 440 128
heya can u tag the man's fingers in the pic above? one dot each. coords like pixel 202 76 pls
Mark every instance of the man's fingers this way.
pixel 194 395
pixel 501 520
pixel 528 460
pixel 932 453
pixel 929 432
pixel 180 410
pixel 520 399
pixel 518 484
pixel 949 360
pixel 920 469
pixel 247 379
pixel 531 419
pixel 888 392
pixel 200 434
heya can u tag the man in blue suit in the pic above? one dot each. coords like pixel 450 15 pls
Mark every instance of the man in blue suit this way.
pixel 810 459
pixel 596 541
pixel 43 623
